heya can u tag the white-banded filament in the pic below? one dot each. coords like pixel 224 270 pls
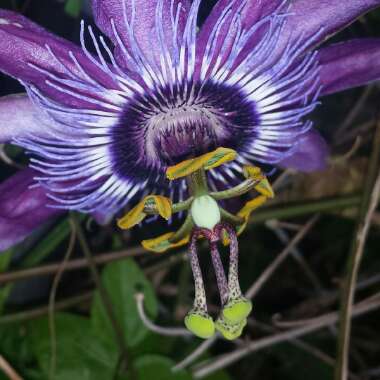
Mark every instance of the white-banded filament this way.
pixel 173 91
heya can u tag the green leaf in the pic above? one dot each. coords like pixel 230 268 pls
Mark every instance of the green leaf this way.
pixel 47 245
pixel 220 375
pixel 51 242
pixel 157 345
pixel 158 368
pixel 5 259
pixel 122 280
pixel 14 345
pixel 79 353
pixel 4 293
pixel 73 7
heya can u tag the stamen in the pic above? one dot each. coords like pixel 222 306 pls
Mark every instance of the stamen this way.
pixel 197 320
pixel 230 331
pixel 238 307
pixel 219 272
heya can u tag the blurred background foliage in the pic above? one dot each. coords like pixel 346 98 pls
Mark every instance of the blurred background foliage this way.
pixel 70 329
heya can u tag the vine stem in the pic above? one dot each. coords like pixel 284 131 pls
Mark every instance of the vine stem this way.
pixel 258 284
pixel 9 370
pixel 104 296
pixel 45 270
pixel 225 360
pixel 296 209
pixel 53 292
pixel 368 206
pixel 307 347
pixel 165 331
pixel 199 351
pixel 43 310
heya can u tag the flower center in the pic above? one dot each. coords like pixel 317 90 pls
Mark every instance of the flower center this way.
pixel 115 131
pixel 181 133
pixel 164 127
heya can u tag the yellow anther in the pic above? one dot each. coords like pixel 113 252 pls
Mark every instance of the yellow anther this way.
pixel 162 243
pixel 206 161
pixel 263 187
pixel 252 205
pixel 162 205
pixel 253 172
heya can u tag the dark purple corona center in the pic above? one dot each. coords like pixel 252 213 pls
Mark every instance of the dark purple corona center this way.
pixel 163 128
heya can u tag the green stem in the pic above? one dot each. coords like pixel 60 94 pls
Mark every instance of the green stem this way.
pixel 104 296
pixel 354 260
pixel 43 310
pixel 197 183
pixel 44 270
pixel 293 210
pixel 230 218
pixel 177 207
pixel 185 230
pixel 236 191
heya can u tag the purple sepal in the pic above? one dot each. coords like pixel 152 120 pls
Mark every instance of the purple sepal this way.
pixel 310 22
pixel 349 64
pixel 29 53
pixel 311 155
pixel 144 25
pixel 102 218
pixel 252 12
pixel 321 18
pixel 19 117
pixel 22 209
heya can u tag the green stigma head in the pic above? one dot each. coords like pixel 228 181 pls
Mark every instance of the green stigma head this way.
pixel 200 324
pixel 230 331
pixel 237 310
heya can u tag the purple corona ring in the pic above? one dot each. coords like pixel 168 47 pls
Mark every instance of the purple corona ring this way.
pixel 103 123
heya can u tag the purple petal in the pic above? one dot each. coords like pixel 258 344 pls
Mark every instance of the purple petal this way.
pixel 29 53
pixel 311 155
pixel 102 217
pixel 252 12
pixel 310 22
pixel 22 209
pixel 19 116
pixel 321 18
pixel 144 25
pixel 349 64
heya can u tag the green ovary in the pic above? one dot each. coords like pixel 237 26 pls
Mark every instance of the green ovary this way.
pixel 205 212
